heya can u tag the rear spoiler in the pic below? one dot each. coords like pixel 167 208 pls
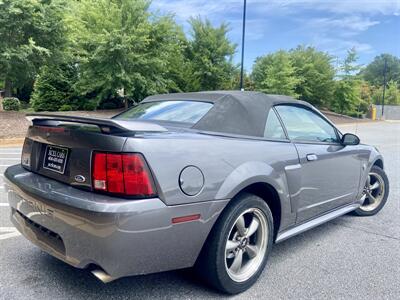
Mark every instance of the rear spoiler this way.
pixel 106 125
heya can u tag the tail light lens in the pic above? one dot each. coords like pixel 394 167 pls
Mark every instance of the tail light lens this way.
pixel 126 174
pixel 115 176
pixel 137 178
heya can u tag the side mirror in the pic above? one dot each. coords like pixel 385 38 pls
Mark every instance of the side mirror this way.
pixel 350 139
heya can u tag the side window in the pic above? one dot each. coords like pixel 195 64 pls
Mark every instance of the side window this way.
pixel 273 128
pixel 304 125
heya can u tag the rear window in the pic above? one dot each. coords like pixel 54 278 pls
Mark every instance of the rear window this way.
pixel 175 111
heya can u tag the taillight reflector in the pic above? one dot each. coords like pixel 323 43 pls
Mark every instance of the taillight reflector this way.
pixel 126 174
pixel 185 219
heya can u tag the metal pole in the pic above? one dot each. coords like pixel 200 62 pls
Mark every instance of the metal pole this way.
pixel 384 87
pixel 243 34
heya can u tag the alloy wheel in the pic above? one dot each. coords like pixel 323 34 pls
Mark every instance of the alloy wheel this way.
pixel 246 244
pixel 374 192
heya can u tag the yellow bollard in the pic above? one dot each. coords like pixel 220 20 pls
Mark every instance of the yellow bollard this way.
pixel 373 113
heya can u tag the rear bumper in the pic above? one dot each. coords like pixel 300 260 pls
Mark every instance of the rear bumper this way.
pixel 123 237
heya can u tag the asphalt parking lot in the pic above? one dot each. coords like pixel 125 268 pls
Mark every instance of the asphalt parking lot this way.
pixel 348 258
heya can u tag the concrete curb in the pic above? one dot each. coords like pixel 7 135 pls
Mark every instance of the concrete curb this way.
pixel 359 123
pixel 12 142
pixel 331 113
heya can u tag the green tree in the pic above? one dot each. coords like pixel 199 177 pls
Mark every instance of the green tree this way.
pixel 366 93
pixel 392 95
pixel 274 74
pixel 316 74
pixel 54 87
pixel 346 97
pixel 376 95
pixel 373 73
pixel 122 48
pixel 210 53
pixel 30 33
pixel 349 66
pixel 248 82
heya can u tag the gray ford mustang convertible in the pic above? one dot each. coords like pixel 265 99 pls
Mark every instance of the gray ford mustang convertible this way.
pixel 208 180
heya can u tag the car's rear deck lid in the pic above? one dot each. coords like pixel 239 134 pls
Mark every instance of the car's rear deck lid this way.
pixel 105 125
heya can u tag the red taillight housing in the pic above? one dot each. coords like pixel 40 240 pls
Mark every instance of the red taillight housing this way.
pixel 122 173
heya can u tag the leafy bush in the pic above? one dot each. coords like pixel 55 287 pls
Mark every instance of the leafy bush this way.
pixel 346 97
pixel 54 87
pixel 90 105
pixel 275 74
pixel 65 107
pixel 24 105
pixel 11 103
pixel 356 114
pixel 111 103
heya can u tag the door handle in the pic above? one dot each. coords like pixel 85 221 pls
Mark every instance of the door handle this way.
pixel 312 157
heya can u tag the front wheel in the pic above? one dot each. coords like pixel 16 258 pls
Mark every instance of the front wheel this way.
pixel 238 246
pixel 375 193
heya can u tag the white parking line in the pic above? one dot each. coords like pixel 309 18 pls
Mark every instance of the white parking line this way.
pixel 9 235
pixel 10 153
pixel 11 149
pixel 9 232
pixel 7 229
pixel 4 204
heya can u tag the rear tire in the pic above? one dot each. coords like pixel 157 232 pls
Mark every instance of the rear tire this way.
pixel 238 246
pixel 376 192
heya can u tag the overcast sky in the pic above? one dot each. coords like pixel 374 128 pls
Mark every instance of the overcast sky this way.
pixel 371 26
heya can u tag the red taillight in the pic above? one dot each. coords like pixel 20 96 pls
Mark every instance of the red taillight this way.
pixel 137 176
pixel 115 176
pixel 125 174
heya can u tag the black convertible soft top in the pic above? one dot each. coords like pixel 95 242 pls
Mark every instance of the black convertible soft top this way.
pixel 233 112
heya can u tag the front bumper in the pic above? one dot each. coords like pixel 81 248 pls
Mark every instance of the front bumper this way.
pixel 123 237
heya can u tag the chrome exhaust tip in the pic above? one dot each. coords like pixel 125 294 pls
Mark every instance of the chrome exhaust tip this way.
pixel 102 276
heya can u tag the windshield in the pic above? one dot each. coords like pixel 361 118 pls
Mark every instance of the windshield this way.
pixel 175 111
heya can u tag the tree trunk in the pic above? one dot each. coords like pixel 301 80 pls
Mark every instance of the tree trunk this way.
pixel 7 87
pixel 126 103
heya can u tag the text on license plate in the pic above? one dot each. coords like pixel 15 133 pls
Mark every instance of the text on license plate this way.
pixel 55 159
